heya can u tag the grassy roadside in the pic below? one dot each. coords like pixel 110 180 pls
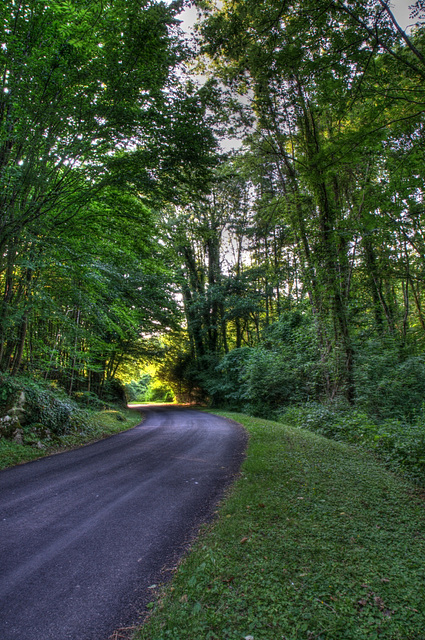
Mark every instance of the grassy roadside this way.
pixel 316 541
pixel 101 424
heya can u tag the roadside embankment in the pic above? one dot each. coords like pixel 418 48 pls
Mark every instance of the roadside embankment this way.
pixel 316 541
pixel 37 441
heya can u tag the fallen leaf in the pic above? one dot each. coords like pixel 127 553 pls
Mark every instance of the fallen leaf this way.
pixel 244 540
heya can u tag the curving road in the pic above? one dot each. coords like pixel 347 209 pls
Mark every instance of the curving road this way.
pixel 84 534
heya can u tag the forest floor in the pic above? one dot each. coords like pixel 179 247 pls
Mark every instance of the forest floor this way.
pixel 101 425
pixel 315 541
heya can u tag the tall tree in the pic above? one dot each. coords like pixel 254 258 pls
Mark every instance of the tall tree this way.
pixel 319 81
pixel 89 107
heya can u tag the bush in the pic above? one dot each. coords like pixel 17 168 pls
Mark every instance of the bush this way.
pixel 159 392
pixel 270 381
pixel 46 408
pixel 342 423
pixel 136 390
pixel 397 443
pixel 113 392
pixel 389 383
pixel 42 406
pixel 402 446
pixel 10 389
pixel 88 399
pixel 226 384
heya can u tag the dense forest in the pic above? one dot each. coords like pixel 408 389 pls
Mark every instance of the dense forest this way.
pixel 285 276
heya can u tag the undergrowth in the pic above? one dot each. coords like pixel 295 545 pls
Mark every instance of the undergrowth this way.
pixel 38 442
pixel 316 541
pixel 38 417
pixel 398 442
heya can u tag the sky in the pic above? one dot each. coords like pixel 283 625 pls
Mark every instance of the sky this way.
pixel 400 8
pixel 401 11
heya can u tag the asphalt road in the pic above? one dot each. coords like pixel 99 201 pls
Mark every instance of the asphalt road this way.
pixel 84 534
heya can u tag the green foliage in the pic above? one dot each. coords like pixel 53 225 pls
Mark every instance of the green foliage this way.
pixel 93 130
pixel 342 424
pixel 52 409
pixel 390 383
pixel 315 540
pixel 9 390
pixel 70 426
pixel 88 399
pixel 114 392
pixel 188 377
pixel 159 392
pixel 283 369
pixel 271 381
pixel 225 383
pixel 398 443
pixel 402 446
pixel 136 390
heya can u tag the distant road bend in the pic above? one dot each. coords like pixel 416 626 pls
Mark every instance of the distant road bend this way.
pixel 84 534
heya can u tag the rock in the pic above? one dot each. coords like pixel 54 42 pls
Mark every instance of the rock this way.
pixel 18 410
pixel 10 423
pixel 38 430
pixel 18 436
pixel 8 426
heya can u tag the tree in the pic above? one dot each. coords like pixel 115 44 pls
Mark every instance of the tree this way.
pixel 326 98
pixel 91 126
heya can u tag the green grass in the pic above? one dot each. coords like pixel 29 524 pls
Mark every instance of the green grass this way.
pixel 101 424
pixel 316 541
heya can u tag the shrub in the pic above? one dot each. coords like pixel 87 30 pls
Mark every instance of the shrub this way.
pixel 136 390
pixel 88 399
pixel 44 406
pixel 227 383
pixel 401 445
pixel 270 381
pixel 113 392
pixel 159 392
pixel 389 383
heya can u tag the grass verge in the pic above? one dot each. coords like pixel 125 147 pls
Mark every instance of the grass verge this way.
pixel 100 424
pixel 316 541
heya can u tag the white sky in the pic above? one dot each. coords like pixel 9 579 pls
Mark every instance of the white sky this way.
pixel 400 9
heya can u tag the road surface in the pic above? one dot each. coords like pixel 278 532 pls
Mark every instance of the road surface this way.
pixel 84 534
